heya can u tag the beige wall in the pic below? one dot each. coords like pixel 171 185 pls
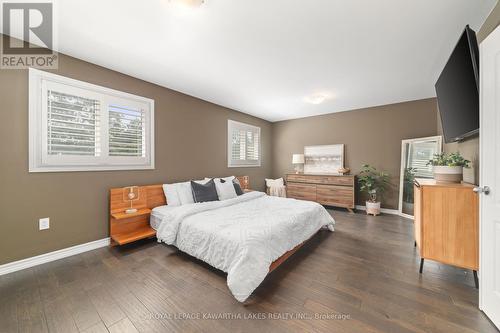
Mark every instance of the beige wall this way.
pixel 371 135
pixel 470 147
pixel 190 143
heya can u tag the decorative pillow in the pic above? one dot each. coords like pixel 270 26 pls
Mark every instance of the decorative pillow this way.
pixel 204 192
pixel 274 182
pixel 178 194
pixel 171 195
pixel 237 186
pixel 225 189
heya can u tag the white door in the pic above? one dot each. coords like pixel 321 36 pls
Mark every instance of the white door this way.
pixel 489 253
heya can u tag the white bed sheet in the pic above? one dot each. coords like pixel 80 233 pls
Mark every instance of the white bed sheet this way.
pixel 157 215
pixel 242 236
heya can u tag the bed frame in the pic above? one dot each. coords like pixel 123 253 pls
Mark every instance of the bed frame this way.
pixel 126 228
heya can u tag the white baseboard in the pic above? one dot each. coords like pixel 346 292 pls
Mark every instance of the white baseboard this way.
pixel 52 256
pixel 382 210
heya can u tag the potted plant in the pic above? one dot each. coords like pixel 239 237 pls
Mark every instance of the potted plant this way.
pixel 372 182
pixel 408 179
pixel 449 167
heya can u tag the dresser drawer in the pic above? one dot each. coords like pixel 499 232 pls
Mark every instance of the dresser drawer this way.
pixel 299 178
pixel 301 191
pixel 334 195
pixel 322 179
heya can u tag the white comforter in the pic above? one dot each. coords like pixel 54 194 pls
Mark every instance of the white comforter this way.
pixel 244 235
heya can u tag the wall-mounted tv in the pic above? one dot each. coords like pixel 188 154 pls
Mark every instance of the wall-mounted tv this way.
pixel 457 90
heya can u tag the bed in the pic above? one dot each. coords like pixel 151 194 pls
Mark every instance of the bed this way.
pixel 247 237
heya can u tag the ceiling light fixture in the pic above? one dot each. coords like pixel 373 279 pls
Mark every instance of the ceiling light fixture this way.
pixel 316 98
pixel 188 3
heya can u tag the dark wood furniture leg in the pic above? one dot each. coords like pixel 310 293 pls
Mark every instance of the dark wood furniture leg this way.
pixel 421 265
pixel 476 280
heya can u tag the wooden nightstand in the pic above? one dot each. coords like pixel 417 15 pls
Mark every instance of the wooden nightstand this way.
pixel 127 228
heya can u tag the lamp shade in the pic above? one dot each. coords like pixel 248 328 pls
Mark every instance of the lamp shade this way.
pixel 298 159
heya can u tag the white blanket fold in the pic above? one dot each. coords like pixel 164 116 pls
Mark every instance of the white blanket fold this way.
pixel 244 235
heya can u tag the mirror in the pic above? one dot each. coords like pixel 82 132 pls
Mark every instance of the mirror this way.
pixel 415 153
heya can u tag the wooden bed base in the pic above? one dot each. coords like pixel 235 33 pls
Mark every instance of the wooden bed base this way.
pixel 275 264
pixel 151 196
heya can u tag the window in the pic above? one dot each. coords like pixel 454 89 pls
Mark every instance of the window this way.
pixel 243 143
pixel 78 126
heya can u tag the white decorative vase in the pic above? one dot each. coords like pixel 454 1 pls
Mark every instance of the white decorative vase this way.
pixel 448 174
pixel 373 208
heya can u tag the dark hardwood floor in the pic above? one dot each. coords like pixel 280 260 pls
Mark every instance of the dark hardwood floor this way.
pixel 367 271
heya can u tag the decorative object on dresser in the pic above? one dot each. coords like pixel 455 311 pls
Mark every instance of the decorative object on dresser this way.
pixel 325 159
pixel 373 183
pixel 276 187
pixel 449 167
pixel 327 190
pixel 447 223
pixel 298 162
pixel 344 171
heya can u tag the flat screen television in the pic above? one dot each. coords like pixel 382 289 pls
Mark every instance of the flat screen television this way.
pixel 457 90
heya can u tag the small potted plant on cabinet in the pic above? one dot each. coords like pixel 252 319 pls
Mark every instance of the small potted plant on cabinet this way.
pixel 449 168
pixel 373 183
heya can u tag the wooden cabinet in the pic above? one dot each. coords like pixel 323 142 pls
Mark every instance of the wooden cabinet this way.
pixel 327 190
pixel 447 223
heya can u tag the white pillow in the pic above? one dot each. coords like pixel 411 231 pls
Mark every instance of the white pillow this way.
pixel 179 194
pixel 185 193
pixel 171 195
pixel 225 188
pixel 274 182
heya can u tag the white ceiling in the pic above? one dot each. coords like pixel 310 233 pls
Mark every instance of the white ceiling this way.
pixel 266 57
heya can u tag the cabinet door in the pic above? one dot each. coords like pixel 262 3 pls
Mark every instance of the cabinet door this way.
pixel 301 191
pixel 333 195
pixel 450 225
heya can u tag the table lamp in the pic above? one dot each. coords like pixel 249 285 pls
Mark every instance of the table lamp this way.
pixel 298 162
pixel 131 194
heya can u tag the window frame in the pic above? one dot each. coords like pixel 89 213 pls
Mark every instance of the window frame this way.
pixel 40 161
pixel 232 124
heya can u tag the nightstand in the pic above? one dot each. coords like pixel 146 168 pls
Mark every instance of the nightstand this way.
pixel 127 228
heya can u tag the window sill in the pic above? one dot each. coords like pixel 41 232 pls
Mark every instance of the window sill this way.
pixel 90 168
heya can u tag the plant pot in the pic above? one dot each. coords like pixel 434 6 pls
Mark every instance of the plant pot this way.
pixel 408 208
pixel 448 174
pixel 373 208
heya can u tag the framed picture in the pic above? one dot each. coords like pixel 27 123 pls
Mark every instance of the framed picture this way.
pixel 326 159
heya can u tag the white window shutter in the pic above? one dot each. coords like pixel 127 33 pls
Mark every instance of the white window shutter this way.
pixel 78 126
pixel 73 125
pixel 126 131
pixel 243 144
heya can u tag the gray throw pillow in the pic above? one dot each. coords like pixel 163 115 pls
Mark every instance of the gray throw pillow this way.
pixel 204 192
pixel 237 187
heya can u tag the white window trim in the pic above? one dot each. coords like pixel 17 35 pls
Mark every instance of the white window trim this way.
pixel 37 79
pixel 242 164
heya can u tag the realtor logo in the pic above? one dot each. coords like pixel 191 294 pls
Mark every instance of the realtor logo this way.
pixel 28 35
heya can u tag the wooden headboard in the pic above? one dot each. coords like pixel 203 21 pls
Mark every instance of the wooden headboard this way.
pixel 150 196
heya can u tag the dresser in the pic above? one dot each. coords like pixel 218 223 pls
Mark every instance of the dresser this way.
pixel 329 190
pixel 447 224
